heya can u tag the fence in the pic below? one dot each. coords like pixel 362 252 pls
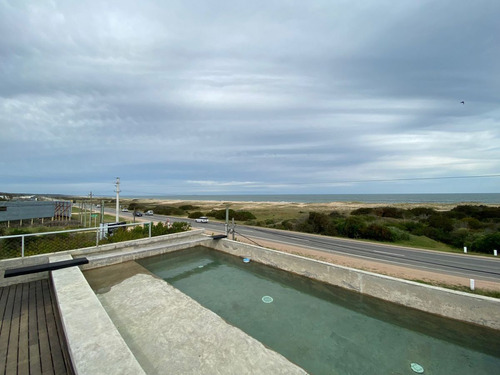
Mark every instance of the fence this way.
pixel 21 245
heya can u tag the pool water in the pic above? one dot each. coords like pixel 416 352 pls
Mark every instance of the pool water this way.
pixel 326 329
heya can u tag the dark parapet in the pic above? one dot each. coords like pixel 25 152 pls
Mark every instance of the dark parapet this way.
pixel 218 236
pixel 44 267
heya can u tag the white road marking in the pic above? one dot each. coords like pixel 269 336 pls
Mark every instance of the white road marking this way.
pixel 391 254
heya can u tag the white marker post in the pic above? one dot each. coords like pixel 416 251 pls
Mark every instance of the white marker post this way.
pixel 472 286
pixel 495 253
pixel 465 249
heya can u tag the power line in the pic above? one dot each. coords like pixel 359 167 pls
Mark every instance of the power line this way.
pixel 420 178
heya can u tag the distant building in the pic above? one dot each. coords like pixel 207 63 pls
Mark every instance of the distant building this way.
pixel 30 210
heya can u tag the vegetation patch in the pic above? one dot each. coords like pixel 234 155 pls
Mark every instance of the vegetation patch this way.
pixel 477 227
pixel 237 215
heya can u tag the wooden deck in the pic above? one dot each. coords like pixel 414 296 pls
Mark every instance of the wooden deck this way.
pixel 30 340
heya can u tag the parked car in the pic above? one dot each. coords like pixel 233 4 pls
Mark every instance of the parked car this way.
pixel 149 213
pixel 124 210
pixel 202 219
pixel 137 213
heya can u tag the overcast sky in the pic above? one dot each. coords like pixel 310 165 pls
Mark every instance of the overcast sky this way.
pixel 214 97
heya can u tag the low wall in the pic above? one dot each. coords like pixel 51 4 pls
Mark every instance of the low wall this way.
pixel 129 246
pixel 466 307
pixel 143 250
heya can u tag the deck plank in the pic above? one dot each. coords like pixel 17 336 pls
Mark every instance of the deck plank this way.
pixel 43 339
pixel 4 293
pixel 33 350
pixel 6 326
pixel 3 298
pixel 12 351
pixel 23 353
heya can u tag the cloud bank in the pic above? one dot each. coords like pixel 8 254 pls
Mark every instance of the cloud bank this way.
pixel 189 97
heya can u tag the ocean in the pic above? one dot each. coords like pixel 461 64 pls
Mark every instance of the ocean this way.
pixel 487 198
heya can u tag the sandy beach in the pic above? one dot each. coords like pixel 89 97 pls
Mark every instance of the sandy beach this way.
pixel 292 206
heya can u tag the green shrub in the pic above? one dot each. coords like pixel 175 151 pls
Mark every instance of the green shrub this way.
pixel 335 215
pixel 188 207
pixel 459 237
pixel 487 243
pixel 237 215
pixel 422 212
pixel 393 212
pixel 479 212
pixel 243 215
pixel 399 235
pixel 351 227
pixel 472 223
pixel 319 222
pixel 168 210
pixel 440 221
pixel 363 211
pixel 414 227
pixel 220 214
pixel 377 232
pixel 195 214
pixel 305 227
pixel 135 206
pixel 288 224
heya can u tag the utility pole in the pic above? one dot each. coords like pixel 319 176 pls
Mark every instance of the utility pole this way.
pixel 102 211
pixel 226 226
pixel 90 215
pixel 117 184
pixel 232 229
pixel 84 213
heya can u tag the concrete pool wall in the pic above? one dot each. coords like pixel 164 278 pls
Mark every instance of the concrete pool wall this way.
pixel 452 304
pixel 78 303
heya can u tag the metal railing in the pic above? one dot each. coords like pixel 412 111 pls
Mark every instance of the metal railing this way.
pixel 48 242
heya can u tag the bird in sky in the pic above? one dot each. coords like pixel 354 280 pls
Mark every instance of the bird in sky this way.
pixel 462 102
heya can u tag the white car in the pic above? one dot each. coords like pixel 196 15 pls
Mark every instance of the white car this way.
pixel 124 210
pixel 149 213
pixel 202 219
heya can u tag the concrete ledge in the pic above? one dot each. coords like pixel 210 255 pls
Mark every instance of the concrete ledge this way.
pixel 457 305
pixel 119 256
pixel 135 244
pixel 94 344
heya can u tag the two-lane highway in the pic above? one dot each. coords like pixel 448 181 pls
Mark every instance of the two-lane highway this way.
pixel 464 265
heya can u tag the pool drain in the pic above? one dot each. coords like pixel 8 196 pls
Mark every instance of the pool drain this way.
pixel 246 260
pixel 267 299
pixel 417 368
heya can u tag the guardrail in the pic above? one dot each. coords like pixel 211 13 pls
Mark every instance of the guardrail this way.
pixel 46 242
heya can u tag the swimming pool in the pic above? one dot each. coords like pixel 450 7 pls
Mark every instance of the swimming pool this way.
pixel 326 329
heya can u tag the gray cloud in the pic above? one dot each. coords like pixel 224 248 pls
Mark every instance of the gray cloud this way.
pixel 271 96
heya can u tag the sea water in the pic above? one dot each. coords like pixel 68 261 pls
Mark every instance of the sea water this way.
pixel 487 198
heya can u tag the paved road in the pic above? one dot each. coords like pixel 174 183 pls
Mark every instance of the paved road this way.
pixel 464 265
